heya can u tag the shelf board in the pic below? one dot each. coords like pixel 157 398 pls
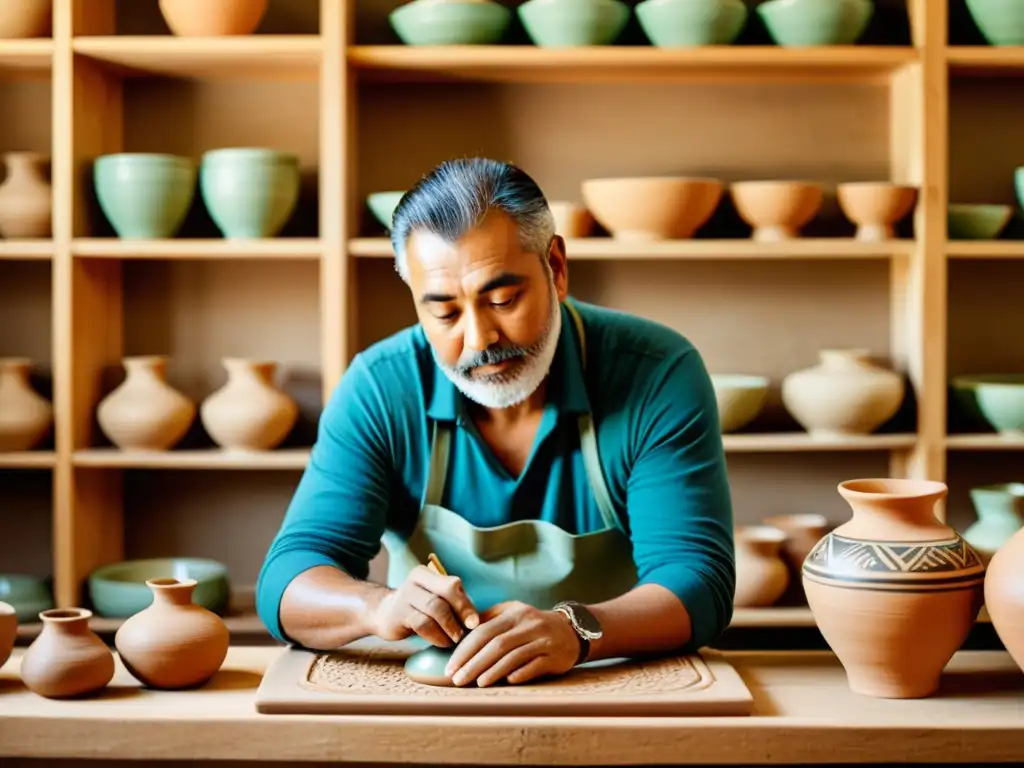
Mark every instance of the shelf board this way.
pixel 985 249
pixel 26 58
pixel 214 249
pixel 606 248
pixel 783 442
pixel 26 250
pixel 985 60
pixel 985 442
pixel 249 57
pixel 28 460
pixel 528 63
pixel 242 626
pixel 211 458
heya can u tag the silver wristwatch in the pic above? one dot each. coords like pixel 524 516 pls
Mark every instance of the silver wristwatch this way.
pixel 584 624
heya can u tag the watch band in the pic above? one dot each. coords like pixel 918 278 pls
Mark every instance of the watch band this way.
pixel 579 617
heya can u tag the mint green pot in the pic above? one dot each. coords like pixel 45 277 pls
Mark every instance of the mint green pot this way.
pixel 250 192
pixel 450 23
pixel 1001 22
pixel 119 590
pixel 998 397
pixel 803 23
pixel 144 196
pixel 573 23
pixel 382 205
pixel 971 221
pixel 27 595
pixel 691 23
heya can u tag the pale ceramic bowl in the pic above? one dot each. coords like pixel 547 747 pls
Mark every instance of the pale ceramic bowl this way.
pixel 690 23
pixel 801 23
pixel 447 22
pixel 999 398
pixel 1001 22
pixel 740 398
pixel 571 220
pixel 573 23
pixel 119 590
pixel 382 205
pixel 652 208
pixel 777 210
pixel 876 207
pixel 977 221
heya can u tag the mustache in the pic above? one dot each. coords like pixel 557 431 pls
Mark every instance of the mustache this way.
pixel 490 356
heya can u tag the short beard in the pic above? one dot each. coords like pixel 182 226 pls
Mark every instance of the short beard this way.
pixel 531 366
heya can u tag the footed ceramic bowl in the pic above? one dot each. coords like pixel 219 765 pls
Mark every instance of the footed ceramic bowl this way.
pixel 970 221
pixel 875 207
pixel 652 208
pixel 801 23
pixel 573 23
pixel 776 210
pixel 740 398
pixel 1001 22
pixel 999 398
pixel 689 23
pixel 119 590
pixel 382 205
pixel 450 22
pixel 27 595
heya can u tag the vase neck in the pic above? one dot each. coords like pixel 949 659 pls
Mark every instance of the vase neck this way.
pixel 70 621
pixel 151 366
pixel 895 510
pixel 240 369
pixel 172 591
pixel 762 541
pixel 20 164
pixel 839 359
pixel 15 368
pixel 1000 504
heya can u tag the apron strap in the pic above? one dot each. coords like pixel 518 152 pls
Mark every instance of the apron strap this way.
pixel 441 440
pixel 588 443
pixel 439 443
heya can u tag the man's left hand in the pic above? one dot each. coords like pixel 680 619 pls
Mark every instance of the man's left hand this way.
pixel 517 642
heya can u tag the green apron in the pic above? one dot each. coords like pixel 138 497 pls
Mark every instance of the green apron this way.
pixel 531 561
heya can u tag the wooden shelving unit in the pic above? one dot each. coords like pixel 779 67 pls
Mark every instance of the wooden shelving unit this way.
pixel 329 82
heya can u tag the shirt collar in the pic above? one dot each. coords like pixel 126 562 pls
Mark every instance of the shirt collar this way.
pixel 567 389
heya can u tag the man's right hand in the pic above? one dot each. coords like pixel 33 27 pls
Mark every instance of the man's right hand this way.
pixel 427 604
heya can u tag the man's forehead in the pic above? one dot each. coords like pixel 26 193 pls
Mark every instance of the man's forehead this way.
pixel 494 245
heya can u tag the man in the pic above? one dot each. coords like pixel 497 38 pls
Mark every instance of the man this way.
pixel 563 461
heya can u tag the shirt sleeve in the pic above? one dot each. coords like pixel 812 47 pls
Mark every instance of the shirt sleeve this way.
pixel 678 498
pixel 338 513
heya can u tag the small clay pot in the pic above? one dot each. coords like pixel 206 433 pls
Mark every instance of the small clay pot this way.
pixel 802 531
pixel 67 660
pixel 213 18
pixel 761 574
pixel 174 643
pixel 8 631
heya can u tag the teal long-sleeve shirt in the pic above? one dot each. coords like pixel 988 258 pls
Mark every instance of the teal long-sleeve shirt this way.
pixel 660 444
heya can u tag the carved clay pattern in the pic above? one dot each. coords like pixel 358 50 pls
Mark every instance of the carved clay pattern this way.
pixel 380 672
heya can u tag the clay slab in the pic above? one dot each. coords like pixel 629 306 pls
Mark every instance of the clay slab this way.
pixel 370 679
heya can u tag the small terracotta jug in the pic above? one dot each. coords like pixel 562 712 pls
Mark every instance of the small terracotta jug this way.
pixel 26 204
pixel 173 643
pixel 213 18
pixel 802 531
pixel 249 413
pixel 8 631
pixel 144 412
pixel 761 574
pixel 25 416
pixel 67 659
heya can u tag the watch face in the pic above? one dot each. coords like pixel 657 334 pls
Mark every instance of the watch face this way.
pixel 587 621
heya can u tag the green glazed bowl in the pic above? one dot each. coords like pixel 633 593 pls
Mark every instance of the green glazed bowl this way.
pixel 690 23
pixel 28 595
pixel 970 221
pixel 802 23
pixel 1001 22
pixel 144 195
pixel 119 590
pixel 250 192
pixel 450 22
pixel 382 205
pixel 998 397
pixel 573 23
pixel 739 397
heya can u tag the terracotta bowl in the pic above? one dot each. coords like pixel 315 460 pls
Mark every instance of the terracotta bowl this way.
pixel 740 398
pixel 571 219
pixel 652 208
pixel 875 207
pixel 777 210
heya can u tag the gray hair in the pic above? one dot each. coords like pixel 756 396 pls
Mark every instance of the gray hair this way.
pixel 454 197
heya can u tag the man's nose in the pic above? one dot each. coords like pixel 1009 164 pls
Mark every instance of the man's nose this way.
pixel 480 332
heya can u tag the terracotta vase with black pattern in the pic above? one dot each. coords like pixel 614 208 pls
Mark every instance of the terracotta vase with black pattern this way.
pixel 894 590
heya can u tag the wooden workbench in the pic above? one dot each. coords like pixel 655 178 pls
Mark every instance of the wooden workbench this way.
pixel 804 713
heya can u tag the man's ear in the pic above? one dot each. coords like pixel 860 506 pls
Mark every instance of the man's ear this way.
pixel 559 264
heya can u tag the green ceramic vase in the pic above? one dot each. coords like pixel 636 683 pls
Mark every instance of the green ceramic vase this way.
pixel 573 23
pixel 690 23
pixel 450 22
pixel 1000 511
pixel 250 192
pixel 144 196
pixel 802 23
pixel 1001 22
